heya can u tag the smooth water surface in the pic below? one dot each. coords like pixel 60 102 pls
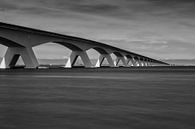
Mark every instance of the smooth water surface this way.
pixel 160 98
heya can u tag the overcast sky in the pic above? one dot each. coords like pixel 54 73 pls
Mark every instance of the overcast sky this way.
pixel 161 29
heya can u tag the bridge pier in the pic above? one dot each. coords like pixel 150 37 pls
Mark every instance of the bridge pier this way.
pixel 146 62
pixel 122 58
pixel 137 61
pixel 12 55
pixel 143 62
pixel 133 61
pixel 73 57
pixel 128 60
pixel 101 59
pixel 140 64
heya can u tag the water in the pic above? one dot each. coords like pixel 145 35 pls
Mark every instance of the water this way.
pixel 120 98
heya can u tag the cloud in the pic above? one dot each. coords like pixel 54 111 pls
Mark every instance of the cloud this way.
pixel 157 28
pixel 187 24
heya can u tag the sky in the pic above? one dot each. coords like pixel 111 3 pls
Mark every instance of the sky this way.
pixel 161 29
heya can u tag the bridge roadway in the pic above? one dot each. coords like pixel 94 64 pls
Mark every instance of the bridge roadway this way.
pixel 20 41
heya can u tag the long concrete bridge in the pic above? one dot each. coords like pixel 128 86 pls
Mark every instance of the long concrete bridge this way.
pixel 20 41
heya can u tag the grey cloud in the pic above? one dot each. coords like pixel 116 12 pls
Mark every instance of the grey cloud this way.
pixel 4 6
pixel 102 8
pixel 126 9
pixel 175 46
pixel 149 21
pixel 187 24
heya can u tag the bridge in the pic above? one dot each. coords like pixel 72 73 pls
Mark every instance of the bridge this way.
pixel 20 41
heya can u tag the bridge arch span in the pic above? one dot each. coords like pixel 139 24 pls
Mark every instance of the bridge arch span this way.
pixel 119 57
pixel 75 53
pixel 117 54
pixel 69 45
pixel 100 50
pixel 9 43
pixel 104 54
pixel 99 53
pixel 51 53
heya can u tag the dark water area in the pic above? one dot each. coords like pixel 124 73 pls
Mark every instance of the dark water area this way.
pixel 104 98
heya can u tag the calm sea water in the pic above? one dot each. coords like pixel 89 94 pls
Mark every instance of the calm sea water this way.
pixel 120 98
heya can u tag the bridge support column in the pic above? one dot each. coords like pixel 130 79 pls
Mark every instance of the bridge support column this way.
pixel 149 63
pixel 12 55
pixel 133 61
pixel 139 63
pixel 136 62
pixel 122 58
pixel 143 62
pixel 73 57
pixel 146 62
pixel 128 60
pixel 101 59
